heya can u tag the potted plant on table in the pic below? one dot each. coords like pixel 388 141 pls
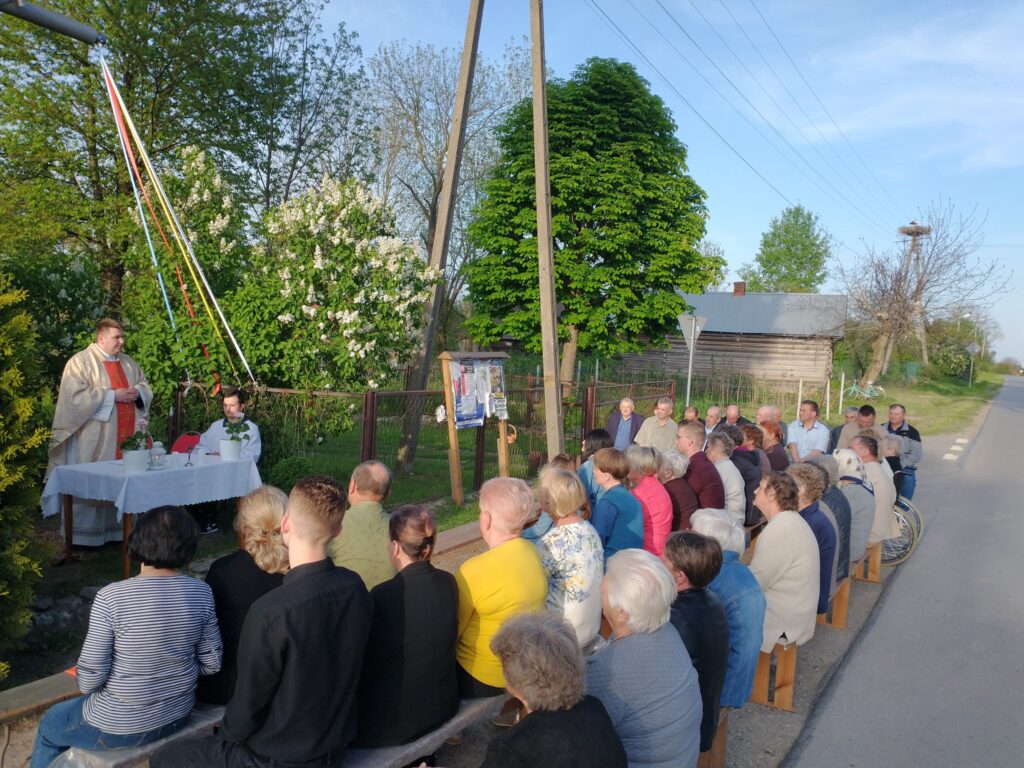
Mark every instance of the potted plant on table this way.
pixel 231 446
pixel 135 450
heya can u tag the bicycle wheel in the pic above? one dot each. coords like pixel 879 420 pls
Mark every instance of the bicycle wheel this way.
pixel 898 548
pixel 911 512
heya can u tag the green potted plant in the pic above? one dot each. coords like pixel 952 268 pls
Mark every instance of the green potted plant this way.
pixel 231 447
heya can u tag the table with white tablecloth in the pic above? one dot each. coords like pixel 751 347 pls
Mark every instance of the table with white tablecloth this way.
pixel 210 478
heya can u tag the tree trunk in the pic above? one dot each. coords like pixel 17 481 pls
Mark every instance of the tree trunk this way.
pixel 878 347
pixel 888 355
pixel 568 364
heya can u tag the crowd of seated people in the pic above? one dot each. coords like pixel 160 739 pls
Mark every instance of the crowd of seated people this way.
pixel 621 628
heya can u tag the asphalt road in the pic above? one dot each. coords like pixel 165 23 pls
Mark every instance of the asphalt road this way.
pixel 937 679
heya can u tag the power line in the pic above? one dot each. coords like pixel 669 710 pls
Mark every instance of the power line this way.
pixel 844 199
pixel 868 200
pixel 822 105
pixel 622 35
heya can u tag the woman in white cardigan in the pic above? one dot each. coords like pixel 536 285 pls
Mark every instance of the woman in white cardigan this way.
pixel 785 564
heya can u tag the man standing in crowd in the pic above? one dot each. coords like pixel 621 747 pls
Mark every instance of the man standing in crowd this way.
pixel 623 424
pixel 910 447
pixel 732 416
pixel 658 431
pixel 299 657
pixel 700 475
pixel 807 435
pixel 103 395
pixel 849 416
pixel 232 402
pixel 865 421
pixel 362 545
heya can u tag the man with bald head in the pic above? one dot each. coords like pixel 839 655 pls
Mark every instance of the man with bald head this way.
pixel 362 544
pixel 732 416
pixel 299 657
pixel 623 424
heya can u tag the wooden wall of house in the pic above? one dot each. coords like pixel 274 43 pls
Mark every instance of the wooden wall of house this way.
pixel 771 357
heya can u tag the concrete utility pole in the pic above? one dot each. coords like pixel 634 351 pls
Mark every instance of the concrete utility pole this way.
pixel 546 271
pixel 443 229
pixel 915 232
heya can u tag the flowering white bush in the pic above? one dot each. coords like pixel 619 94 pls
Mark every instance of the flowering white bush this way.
pixel 334 300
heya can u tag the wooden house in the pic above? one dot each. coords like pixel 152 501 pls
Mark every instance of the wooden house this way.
pixel 774 336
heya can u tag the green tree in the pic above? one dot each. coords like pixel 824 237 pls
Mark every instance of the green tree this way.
pixel 626 220
pixel 22 458
pixel 793 256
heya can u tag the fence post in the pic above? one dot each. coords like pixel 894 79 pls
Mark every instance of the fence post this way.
pixel 478 458
pixel 368 440
pixel 672 390
pixel 800 394
pixel 589 407
pixel 842 390
pixel 828 395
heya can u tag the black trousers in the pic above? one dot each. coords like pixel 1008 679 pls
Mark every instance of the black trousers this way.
pixel 216 752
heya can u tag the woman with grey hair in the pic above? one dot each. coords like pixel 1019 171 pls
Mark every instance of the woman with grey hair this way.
pixel 833 502
pixel 719 449
pixel 684 500
pixel 852 484
pixel 644 676
pixel 644 464
pixel 743 601
pixel 561 725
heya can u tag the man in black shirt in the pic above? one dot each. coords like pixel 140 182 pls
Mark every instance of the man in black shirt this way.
pixel 299 657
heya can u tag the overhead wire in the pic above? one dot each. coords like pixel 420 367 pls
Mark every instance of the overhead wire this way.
pixel 821 104
pixel 868 201
pixel 625 38
pixel 846 200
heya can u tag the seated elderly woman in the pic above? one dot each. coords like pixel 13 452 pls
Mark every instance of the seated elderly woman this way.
pixel 562 726
pixel 851 482
pixel 618 517
pixel 774 446
pixel 684 500
pixel 149 638
pixel 238 580
pixel 408 684
pixel 644 463
pixel 743 601
pixel 834 504
pixel 503 582
pixel 809 486
pixel 593 441
pixel 571 554
pixel 719 450
pixel 753 440
pixel 786 565
pixel 644 676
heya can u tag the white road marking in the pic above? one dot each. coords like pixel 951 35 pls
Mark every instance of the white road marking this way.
pixel 962 440
pixel 949 457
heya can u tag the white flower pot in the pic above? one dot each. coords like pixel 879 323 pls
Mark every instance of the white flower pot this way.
pixel 231 449
pixel 135 461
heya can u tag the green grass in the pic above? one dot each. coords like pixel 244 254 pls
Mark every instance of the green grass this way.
pixel 941 406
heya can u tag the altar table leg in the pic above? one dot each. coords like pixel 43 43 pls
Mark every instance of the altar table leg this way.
pixel 69 518
pixel 126 531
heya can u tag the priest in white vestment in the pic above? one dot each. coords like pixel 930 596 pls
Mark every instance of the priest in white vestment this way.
pixel 103 394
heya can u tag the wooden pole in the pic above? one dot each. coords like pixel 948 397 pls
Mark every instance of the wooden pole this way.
pixel 502 448
pixel 828 395
pixel 443 226
pixel 842 391
pixel 545 247
pixel 800 394
pixel 454 467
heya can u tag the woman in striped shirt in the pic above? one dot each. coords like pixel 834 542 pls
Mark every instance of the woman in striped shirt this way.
pixel 149 639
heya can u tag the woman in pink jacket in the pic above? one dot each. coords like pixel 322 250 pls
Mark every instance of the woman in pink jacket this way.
pixel 654 499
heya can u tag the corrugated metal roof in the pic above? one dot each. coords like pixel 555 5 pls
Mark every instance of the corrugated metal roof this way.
pixel 781 314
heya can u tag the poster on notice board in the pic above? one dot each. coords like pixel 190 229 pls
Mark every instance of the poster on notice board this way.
pixel 478 387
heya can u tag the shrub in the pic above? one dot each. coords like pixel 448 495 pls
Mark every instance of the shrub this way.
pixel 951 359
pixel 285 473
pixel 22 458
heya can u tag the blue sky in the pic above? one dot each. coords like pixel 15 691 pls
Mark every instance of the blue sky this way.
pixel 929 95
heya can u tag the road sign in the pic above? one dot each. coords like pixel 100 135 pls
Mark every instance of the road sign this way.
pixel 973 349
pixel 691 326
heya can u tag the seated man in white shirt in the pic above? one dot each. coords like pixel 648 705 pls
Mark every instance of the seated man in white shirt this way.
pixel 232 400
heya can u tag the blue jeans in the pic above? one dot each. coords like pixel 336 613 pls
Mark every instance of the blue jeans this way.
pixel 909 484
pixel 63 726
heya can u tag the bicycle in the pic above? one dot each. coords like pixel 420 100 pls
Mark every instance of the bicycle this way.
pixel 899 547
pixel 912 512
pixel 868 392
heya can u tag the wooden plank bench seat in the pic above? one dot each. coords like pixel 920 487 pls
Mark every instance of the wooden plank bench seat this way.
pixel 838 607
pixel 470 711
pixel 869 568
pixel 38 696
pixel 777 692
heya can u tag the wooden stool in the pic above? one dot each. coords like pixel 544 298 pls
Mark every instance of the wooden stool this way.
pixel 837 608
pixel 870 567
pixel 715 757
pixel 779 695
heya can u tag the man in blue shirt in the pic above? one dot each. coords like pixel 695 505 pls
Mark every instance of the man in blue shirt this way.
pixel 807 435
pixel 623 424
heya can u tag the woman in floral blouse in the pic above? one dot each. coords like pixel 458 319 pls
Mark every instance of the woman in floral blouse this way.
pixel 571 554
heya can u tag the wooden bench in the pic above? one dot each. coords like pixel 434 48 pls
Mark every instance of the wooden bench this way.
pixel 470 711
pixel 38 696
pixel 776 693
pixel 838 607
pixel 869 567
pixel 204 718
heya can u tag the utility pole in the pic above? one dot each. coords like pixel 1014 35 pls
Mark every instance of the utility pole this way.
pixel 915 232
pixel 546 266
pixel 442 232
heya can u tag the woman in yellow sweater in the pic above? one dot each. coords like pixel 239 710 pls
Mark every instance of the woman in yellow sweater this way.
pixel 503 582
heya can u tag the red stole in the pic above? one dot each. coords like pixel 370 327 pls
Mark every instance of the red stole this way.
pixel 125 411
